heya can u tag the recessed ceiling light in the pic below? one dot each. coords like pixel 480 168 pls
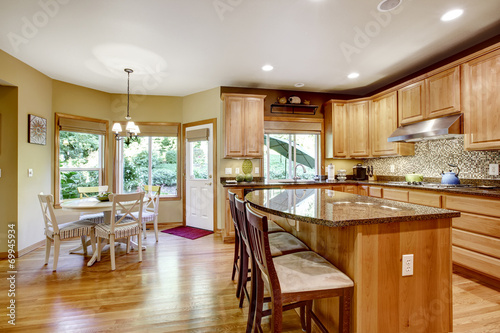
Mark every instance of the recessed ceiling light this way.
pixel 388 5
pixel 267 68
pixel 452 14
pixel 299 85
pixel 353 75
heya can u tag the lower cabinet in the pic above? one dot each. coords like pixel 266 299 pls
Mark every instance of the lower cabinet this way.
pixel 394 194
pixel 476 234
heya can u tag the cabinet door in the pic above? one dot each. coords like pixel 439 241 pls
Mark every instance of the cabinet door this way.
pixel 481 78
pixel 411 103
pixel 336 130
pixel 443 93
pixel 253 127
pixel 383 122
pixel 358 115
pixel 363 190
pixel 234 122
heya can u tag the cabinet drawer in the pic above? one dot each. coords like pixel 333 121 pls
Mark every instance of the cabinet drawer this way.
pixel 375 192
pixel 398 195
pixel 484 225
pixel 474 205
pixel 351 189
pixel 426 199
pixel 475 242
pixel 476 261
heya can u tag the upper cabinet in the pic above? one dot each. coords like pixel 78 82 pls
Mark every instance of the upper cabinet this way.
pixel 336 144
pixel 244 125
pixel 383 122
pixel 443 93
pixel 358 135
pixel 481 83
pixel 436 96
pixel 411 103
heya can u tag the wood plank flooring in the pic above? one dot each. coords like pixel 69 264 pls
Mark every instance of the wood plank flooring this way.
pixel 181 286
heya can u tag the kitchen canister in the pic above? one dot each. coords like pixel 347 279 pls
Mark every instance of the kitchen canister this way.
pixel 331 171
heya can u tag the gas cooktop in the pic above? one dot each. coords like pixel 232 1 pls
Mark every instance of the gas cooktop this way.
pixel 431 185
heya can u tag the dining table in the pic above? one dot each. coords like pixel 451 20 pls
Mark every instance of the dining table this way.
pixel 93 205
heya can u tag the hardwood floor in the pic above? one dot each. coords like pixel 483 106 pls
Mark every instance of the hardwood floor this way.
pixel 181 286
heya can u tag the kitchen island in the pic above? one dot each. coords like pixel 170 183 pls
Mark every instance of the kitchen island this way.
pixel 366 238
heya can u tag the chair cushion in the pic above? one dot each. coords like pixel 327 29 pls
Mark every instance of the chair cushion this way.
pixel 73 229
pixel 284 243
pixel 273 227
pixel 96 217
pixel 146 216
pixel 308 271
pixel 104 230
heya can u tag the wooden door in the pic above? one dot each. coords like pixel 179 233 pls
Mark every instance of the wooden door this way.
pixel 383 122
pixel 411 103
pixel 358 135
pixel 481 78
pixel 443 93
pixel 234 122
pixel 253 126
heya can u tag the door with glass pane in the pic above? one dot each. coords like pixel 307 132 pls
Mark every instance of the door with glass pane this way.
pixel 199 177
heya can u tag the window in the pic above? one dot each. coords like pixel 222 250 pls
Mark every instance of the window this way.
pixel 284 152
pixel 80 154
pixel 151 159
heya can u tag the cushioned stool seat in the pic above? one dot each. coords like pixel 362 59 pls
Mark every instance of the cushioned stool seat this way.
pixel 283 243
pixel 274 227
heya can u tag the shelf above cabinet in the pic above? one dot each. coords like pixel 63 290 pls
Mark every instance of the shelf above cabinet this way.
pixel 293 109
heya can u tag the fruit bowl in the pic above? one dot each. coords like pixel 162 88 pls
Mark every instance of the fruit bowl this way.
pixel 103 197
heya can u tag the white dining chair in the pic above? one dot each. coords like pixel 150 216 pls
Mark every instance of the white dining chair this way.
pixel 125 226
pixel 84 193
pixel 58 232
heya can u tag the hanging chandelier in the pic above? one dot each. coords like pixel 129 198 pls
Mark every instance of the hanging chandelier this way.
pixel 131 128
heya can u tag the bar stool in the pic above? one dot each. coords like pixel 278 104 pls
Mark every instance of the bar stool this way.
pixel 238 248
pixel 280 243
pixel 292 280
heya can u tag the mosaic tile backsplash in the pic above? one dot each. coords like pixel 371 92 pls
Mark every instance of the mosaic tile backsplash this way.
pixel 432 157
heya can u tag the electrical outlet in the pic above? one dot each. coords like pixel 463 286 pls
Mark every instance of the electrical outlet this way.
pixel 237 171
pixel 228 171
pixel 30 172
pixel 393 168
pixel 257 170
pixel 407 264
pixel 493 171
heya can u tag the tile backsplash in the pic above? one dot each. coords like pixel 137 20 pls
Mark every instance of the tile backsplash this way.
pixel 432 157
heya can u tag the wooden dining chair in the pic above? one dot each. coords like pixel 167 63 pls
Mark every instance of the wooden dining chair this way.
pixel 292 280
pixel 126 226
pixel 281 243
pixel 85 191
pixel 237 240
pixel 58 232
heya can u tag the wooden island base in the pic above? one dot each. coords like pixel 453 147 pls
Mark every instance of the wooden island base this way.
pixel 371 254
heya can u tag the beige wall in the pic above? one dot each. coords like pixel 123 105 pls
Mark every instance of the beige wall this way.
pixel 341 164
pixel 8 162
pixel 34 97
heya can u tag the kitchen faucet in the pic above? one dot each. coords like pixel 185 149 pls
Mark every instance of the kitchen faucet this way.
pixel 295 172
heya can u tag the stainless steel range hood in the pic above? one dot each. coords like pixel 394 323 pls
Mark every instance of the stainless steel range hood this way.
pixel 433 129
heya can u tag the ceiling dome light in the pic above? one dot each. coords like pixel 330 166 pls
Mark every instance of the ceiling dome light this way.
pixel 452 14
pixel 388 5
pixel 353 75
pixel 267 68
pixel 299 85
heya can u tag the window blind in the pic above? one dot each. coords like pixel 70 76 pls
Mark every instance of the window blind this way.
pixel 292 127
pixel 154 130
pixel 197 135
pixel 82 126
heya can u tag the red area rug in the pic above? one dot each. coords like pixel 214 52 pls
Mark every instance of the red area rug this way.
pixel 188 232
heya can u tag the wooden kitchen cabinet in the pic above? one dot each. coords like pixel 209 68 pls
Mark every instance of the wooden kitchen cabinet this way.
pixel 481 83
pixel 411 103
pixel 336 142
pixel 383 122
pixel 425 198
pixel 363 190
pixel 395 194
pixel 476 234
pixel 244 125
pixel 358 135
pixel 375 191
pixel 443 93
pixel 228 225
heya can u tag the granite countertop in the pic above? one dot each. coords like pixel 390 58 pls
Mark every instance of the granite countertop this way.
pixel 475 189
pixel 339 209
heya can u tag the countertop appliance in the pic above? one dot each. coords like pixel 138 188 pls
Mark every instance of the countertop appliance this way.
pixel 359 172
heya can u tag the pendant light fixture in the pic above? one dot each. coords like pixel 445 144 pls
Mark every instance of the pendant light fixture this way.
pixel 131 128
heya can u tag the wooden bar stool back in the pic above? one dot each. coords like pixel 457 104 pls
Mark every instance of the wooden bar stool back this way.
pixel 293 280
pixel 237 240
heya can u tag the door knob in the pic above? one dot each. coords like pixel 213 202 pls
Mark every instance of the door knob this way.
pixel 208 183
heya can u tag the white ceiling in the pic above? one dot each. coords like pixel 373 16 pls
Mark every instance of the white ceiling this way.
pixel 179 47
